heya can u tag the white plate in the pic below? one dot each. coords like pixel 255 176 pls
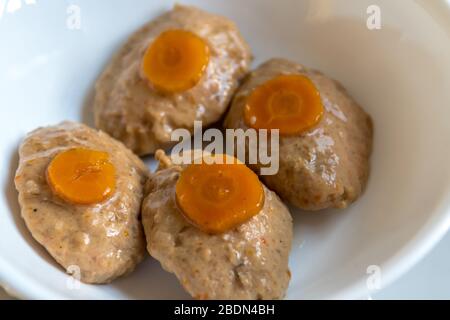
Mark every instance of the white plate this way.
pixel 400 74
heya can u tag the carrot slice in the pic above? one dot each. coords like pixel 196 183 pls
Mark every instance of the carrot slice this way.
pixel 82 176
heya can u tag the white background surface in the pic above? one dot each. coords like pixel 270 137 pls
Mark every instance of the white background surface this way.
pixel 430 279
